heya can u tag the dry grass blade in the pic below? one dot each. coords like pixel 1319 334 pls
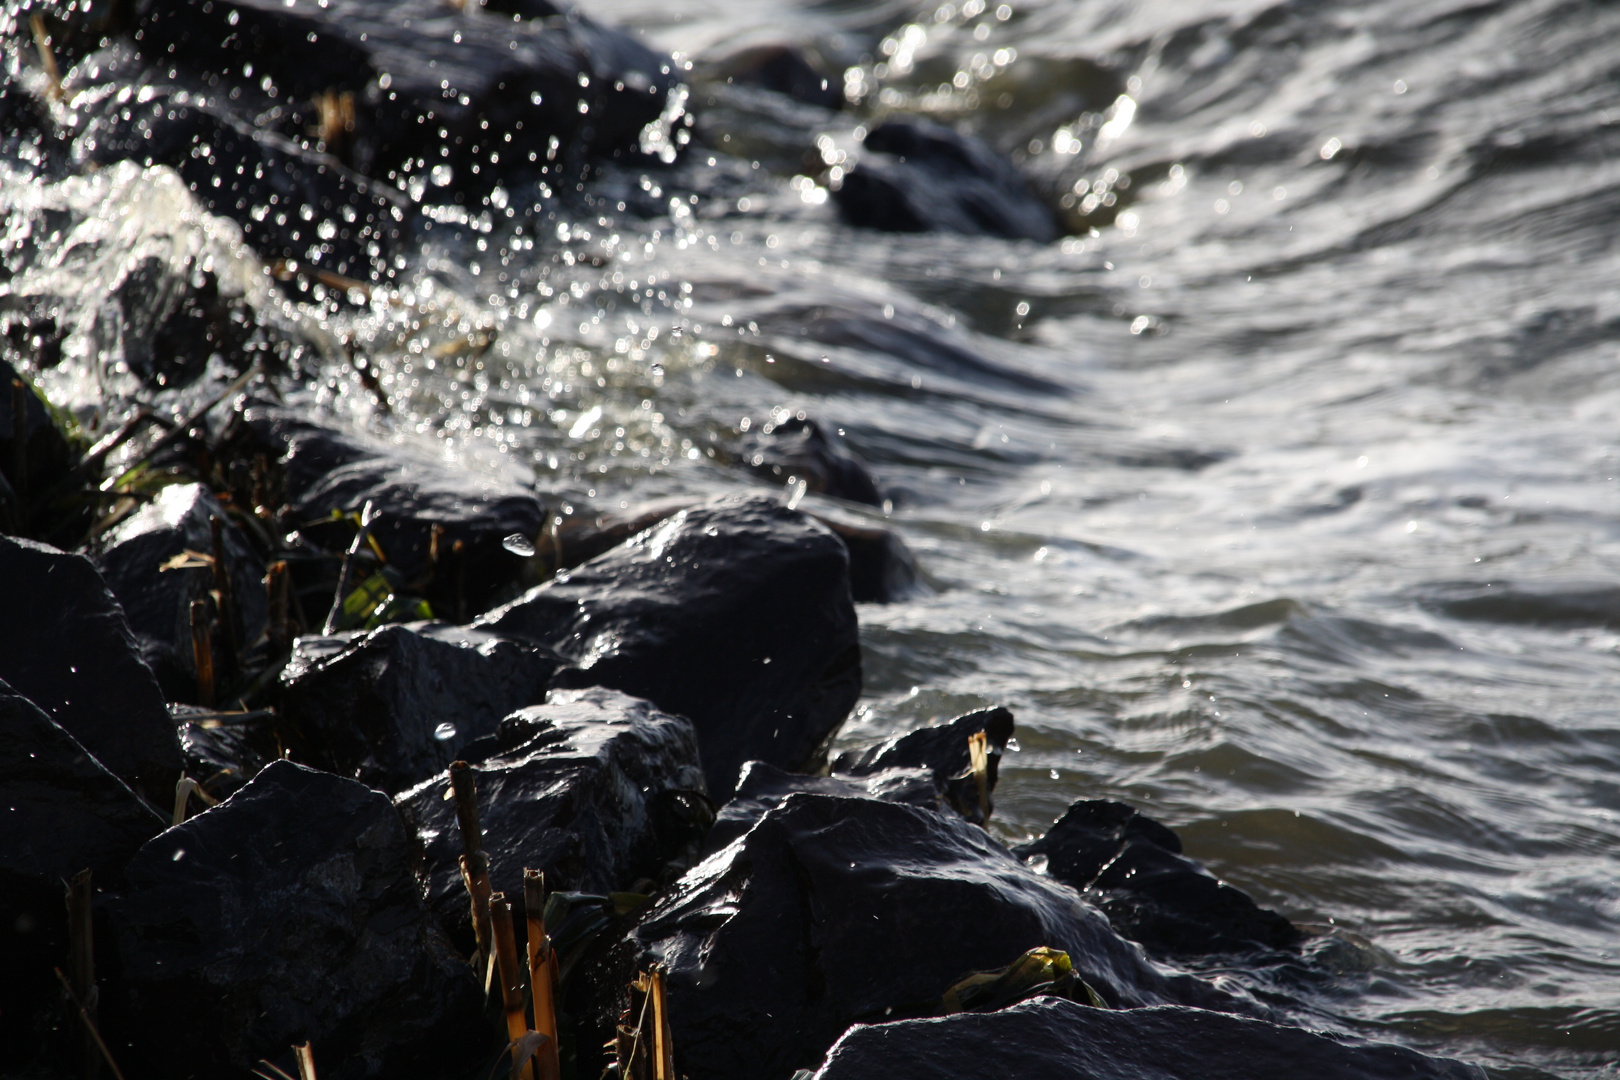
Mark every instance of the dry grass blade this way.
pixel 179 431
pixel 979 757
pixel 84 1015
pixel 276 1072
pixel 182 793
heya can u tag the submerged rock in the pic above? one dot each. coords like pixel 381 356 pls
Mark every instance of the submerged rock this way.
pixel 589 788
pixel 783 69
pixel 437 93
pixel 289 913
pixel 394 706
pixel 157 601
pixel 1132 867
pixel 1053 1039
pixel 735 614
pixel 63 813
pixel 804 450
pixel 919 176
pixel 943 750
pixel 832 911
pixel 65 645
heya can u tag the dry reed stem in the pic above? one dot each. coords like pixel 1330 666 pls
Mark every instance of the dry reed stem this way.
pixel 42 42
pixel 979 756
pixel 202 651
pixel 511 975
pixel 542 975
pixel 306 1061
pixel 82 962
pixel 90 1025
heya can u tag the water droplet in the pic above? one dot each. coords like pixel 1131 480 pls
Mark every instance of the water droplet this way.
pixel 519 545
pixel 445 732
pixel 441 175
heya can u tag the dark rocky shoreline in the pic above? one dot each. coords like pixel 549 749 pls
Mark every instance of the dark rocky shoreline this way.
pixel 307 627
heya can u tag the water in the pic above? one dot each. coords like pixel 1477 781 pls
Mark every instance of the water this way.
pixel 1304 550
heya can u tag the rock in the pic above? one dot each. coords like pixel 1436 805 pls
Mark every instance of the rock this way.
pixel 919 176
pixel 64 644
pixel 63 813
pixel 881 568
pixel 413 498
pixel 1054 1039
pixel 763 786
pixel 589 787
pixel 832 911
pixel 804 450
pixel 288 913
pixel 783 69
pixel 292 203
pixel 735 614
pixel 942 749
pixel 394 706
pixel 223 754
pixel 425 81
pixel 1132 867
pixel 157 602
pixel 46 456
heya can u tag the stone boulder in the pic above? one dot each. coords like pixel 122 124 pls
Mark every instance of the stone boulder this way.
pixel 396 705
pixel 735 614
pixel 594 788
pixel 1132 868
pixel 289 913
pixel 1054 1039
pixel 65 645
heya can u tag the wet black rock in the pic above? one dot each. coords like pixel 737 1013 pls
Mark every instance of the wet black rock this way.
pixel 832 911
pixel 735 614
pixel 804 450
pixel 763 786
pixel 943 750
pixel 1054 1039
pixel 63 812
pixel 413 499
pixel 882 569
pixel 157 602
pixel 918 176
pixel 474 90
pixel 1132 868
pixel 288 913
pixel 396 705
pixel 292 203
pixel 783 69
pixel 593 788
pixel 26 479
pixel 224 753
pixel 65 646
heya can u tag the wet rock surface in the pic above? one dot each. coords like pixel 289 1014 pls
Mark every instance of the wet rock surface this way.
pixel 157 601
pixel 919 176
pixel 762 787
pixel 1132 868
pixel 833 910
pixel 593 788
pixel 735 614
pixel 804 450
pixel 393 706
pixel 1050 1039
pixel 64 813
pixel 783 69
pixel 438 526
pixel 425 81
pixel 28 477
pixel 943 750
pixel 65 645
pixel 292 202
pixel 289 913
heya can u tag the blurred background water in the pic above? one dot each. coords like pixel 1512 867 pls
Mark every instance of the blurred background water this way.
pixel 1278 498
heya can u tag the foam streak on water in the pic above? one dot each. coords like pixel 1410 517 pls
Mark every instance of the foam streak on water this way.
pixel 1283 504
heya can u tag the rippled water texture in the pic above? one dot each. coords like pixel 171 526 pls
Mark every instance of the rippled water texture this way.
pixel 1279 499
